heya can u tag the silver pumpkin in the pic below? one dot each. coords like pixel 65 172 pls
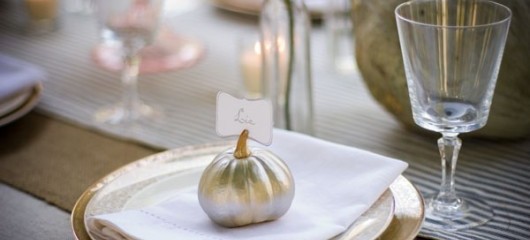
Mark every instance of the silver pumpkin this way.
pixel 242 187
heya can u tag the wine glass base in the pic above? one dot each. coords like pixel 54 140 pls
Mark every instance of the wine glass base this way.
pixel 473 212
pixel 117 115
pixel 169 52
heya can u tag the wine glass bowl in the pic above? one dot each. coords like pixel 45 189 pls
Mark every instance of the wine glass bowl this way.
pixel 452 52
pixel 169 50
pixel 132 22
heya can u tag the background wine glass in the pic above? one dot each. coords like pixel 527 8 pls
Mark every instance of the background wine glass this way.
pixel 452 52
pixel 169 50
pixel 132 23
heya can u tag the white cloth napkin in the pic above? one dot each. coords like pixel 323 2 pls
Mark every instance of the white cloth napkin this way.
pixel 17 76
pixel 334 185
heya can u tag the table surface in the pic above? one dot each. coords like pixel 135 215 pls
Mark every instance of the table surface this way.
pixel 345 113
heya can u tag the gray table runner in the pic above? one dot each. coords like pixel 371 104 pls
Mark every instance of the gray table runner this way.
pixel 345 112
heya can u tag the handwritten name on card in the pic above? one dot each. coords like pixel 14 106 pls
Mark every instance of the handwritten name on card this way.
pixel 235 115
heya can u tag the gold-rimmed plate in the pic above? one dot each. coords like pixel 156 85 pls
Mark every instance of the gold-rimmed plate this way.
pixel 397 214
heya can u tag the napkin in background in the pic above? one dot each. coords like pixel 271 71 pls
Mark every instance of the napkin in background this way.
pixel 17 76
pixel 334 185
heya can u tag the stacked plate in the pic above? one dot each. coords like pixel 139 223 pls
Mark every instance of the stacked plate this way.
pixel 20 88
pixel 397 215
pixel 315 7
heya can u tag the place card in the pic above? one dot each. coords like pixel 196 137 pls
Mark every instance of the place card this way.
pixel 235 115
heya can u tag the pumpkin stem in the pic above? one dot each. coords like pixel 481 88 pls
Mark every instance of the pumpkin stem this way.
pixel 242 150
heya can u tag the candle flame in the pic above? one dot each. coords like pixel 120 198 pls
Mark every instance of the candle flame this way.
pixel 257 48
pixel 281 44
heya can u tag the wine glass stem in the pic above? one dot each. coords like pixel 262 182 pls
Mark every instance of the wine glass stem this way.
pixel 130 86
pixel 447 201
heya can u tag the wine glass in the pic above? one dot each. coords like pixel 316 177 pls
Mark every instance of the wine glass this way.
pixel 132 23
pixel 452 52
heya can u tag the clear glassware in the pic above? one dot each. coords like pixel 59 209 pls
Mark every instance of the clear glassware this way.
pixel 452 52
pixel 341 41
pixel 285 28
pixel 132 23
pixel 169 50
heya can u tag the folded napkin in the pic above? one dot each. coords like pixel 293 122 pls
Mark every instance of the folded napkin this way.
pixel 17 76
pixel 334 185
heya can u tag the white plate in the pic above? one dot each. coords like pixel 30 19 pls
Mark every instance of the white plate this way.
pixel 316 8
pixel 156 178
pixel 20 105
pixel 8 105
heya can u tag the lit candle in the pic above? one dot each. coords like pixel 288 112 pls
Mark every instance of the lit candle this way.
pixel 251 67
pixel 42 9
pixel 283 64
pixel 42 16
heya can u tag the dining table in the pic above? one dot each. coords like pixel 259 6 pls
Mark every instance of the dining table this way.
pixel 50 156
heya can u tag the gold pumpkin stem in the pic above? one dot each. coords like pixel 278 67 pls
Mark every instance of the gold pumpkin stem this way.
pixel 242 150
